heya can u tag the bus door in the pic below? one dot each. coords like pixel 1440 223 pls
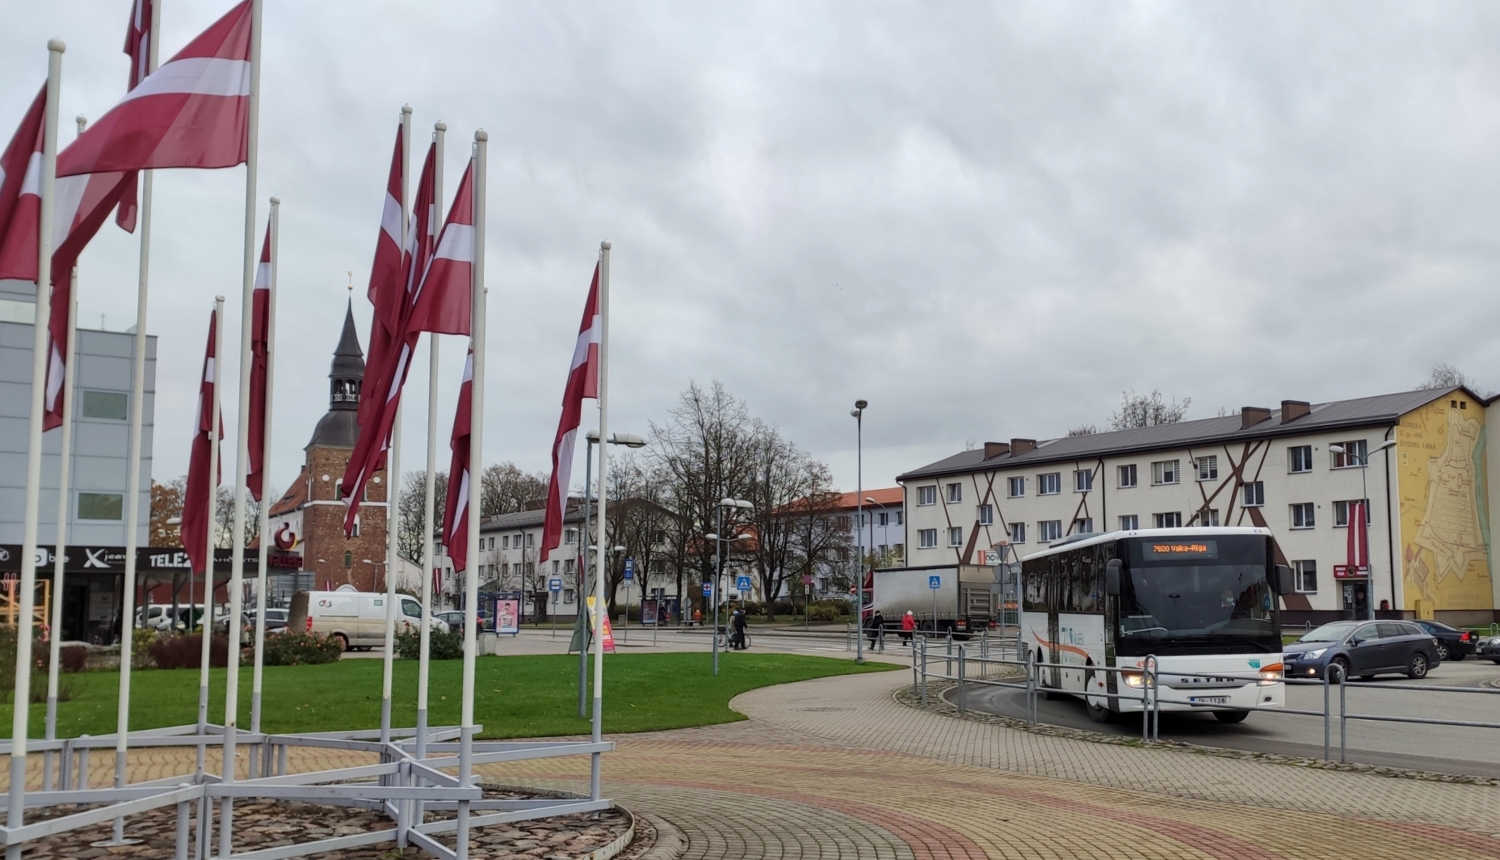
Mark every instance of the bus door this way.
pixel 1056 586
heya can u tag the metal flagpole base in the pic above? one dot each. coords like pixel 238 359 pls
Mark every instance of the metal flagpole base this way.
pixel 385 721
pixel 422 733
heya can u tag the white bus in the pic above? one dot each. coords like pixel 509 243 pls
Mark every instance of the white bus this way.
pixel 1202 601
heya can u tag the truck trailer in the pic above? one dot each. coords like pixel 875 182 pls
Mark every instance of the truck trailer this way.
pixel 943 598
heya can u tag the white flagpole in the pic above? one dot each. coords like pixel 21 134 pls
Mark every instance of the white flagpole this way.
pixel 602 555
pixel 429 509
pixel 242 457
pixel 212 514
pixel 265 487
pixel 133 458
pixel 393 460
pixel 22 695
pixel 476 460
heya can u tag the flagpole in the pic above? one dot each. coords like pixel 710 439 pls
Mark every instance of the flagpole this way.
pixel 212 479
pixel 429 509
pixel 264 528
pixel 242 456
pixel 27 599
pixel 393 473
pixel 476 460
pixel 602 554
pixel 133 459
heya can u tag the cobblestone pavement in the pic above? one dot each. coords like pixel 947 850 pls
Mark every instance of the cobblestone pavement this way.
pixel 835 768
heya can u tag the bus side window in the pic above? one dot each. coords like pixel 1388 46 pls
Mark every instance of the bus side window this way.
pixel 1084 583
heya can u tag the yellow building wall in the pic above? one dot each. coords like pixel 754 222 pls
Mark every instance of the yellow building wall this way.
pixel 1445 533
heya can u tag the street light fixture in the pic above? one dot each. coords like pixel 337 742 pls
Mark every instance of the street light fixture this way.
pixel 581 629
pixel 738 504
pixel 1365 503
pixel 859 551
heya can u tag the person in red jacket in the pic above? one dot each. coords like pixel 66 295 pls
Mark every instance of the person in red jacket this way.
pixel 908 626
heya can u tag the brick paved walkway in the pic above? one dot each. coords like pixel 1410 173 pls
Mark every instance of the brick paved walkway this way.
pixel 835 768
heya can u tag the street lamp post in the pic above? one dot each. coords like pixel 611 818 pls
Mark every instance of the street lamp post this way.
pixel 719 542
pixel 1365 504
pixel 859 552
pixel 629 440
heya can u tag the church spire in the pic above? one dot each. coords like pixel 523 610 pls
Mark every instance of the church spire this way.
pixel 348 371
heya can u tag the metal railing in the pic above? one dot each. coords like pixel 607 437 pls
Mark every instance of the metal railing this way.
pixel 943 659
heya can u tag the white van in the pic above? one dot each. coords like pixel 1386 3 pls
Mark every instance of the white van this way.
pixel 355 618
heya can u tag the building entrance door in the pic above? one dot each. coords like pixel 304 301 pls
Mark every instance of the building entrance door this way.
pixel 75 612
pixel 1356 599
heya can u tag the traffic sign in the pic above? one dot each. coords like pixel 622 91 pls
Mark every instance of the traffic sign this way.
pixel 708 589
pixel 742 583
pixel 629 569
pixel 807 579
pixel 934 582
pixel 554 584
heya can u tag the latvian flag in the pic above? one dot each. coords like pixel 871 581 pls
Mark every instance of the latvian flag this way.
pixel 260 336
pixel 456 509
pixel 195 524
pixel 583 382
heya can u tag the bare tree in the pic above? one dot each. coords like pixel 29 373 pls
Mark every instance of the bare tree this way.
pixel 638 521
pixel 166 505
pixel 1083 430
pixel 505 489
pixel 1445 375
pixel 411 513
pixel 1147 410
pixel 790 487
pixel 224 518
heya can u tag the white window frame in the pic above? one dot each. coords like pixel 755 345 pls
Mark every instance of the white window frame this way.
pixel 986 515
pixel 1300 571
pixel 927 495
pixel 1130 523
pixel 1208 467
pixel 1257 489
pixel 1354 459
pixel 955 536
pixel 1017 532
pixel 955 493
pixel 1166 472
pixel 1048 531
pixel 1341 512
pixel 1083 480
pixel 1294 458
pixel 1306 512
pixel 898 518
pixel 1016 486
pixel 927 538
pixel 1167 520
pixel 1083 526
pixel 1208 517
pixel 1046 480
pixel 1126 473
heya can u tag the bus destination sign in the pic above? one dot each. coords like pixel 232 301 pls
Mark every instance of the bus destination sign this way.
pixel 1156 550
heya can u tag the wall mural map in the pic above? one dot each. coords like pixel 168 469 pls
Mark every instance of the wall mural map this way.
pixel 1445 518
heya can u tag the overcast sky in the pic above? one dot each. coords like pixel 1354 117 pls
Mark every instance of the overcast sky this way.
pixel 986 219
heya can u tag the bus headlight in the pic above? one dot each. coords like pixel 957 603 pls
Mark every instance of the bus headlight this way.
pixel 1271 674
pixel 1134 679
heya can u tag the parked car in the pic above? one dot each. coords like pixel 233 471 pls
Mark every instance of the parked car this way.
pixel 1488 648
pixel 1453 644
pixel 275 623
pixel 356 619
pixel 454 618
pixel 1363 649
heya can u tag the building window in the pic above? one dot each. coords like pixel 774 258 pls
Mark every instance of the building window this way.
pixel 1083 526
pixel 101 506
pixel 844 522
pixel 1299 458
pixel 1049 530
pixel 955 493
pixel 1083 480
pixel 1165 472
pixel 1302 515
pixel 1049 484
pixel 1017 487
pixel 556 565
pixel 1208 517
pixel 1208 468
pixel 927 495
pixel 956 536
pixel 927 537
pixel 1305 577
pixel 1130 523
pixel 356 526
pixel 986 515
pixel 1169 520
pixel 1341 513
pixel 1127 475
pixel 885 519
pixel 106 405
pixel 568 566
pixel 1353 455
pixel 348 559
pixel 568 595
pixel 1017 532
pixel 898 549
pixel 530 539
pixel 505 542
pixel 898 518
pixel 505 569
pixel 1255 494
pixel 570 536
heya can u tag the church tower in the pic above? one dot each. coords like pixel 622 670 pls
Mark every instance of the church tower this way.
pixel 310 516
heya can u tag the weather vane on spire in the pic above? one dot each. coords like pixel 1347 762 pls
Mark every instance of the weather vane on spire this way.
pixel 351 282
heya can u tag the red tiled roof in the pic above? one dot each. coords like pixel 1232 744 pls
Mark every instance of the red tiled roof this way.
pixel 294 497
pixel 890 497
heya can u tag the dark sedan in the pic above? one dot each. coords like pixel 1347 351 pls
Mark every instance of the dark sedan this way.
pixel 1363 649
pixel 1453 644
pixel 1489 649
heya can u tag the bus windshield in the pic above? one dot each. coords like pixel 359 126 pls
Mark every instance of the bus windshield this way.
pixel 1210 597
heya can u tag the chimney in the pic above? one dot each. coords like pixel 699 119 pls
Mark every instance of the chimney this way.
pixel 995 449
pixel 1252 415
pixel 1021 446
pixel 1291 410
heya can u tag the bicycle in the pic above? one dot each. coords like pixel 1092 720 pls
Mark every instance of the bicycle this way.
pixel 725 637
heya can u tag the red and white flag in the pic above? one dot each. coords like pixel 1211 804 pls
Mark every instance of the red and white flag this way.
pixel 195 524
pixel 443 301
pixel 194 111
pixel 260 348
pixel 583 382
pixel 385 291
pixel 21 167
pixel 456 509
pixel 1359 539
pixel 138 48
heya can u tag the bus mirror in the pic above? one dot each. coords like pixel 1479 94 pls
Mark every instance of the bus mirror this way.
pixel 1112 577
pixel 1282 583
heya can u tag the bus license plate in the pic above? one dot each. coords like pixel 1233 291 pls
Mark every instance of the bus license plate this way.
pixel 1209 700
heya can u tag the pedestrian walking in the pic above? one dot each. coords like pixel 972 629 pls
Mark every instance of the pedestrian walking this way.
pixel 877 624
pixel 908 628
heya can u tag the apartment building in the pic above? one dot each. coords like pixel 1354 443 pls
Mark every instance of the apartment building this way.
pixel 1418 456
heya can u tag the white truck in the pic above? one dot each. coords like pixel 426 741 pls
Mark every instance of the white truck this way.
pixel 356 619
pixel 954 598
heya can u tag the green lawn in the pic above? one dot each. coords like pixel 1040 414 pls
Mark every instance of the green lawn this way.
pixel 534 696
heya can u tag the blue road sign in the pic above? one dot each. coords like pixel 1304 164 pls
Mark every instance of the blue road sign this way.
pixel 629 569
pixel 934 582
pixel 742 583
pixel 554 585
pixel 708 589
